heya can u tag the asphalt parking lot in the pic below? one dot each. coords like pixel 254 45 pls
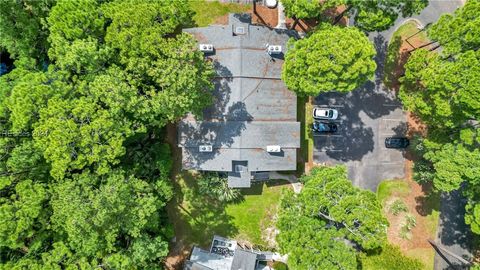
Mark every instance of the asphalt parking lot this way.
pixel 366 117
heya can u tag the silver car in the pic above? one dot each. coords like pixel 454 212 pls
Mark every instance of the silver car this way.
pixel 325 113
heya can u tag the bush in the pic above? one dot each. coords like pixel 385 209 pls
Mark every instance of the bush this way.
pixel 397 207
pixel 216 187
pixel 279 266
pixel 391 258
pixel 410 223
pixel 423 172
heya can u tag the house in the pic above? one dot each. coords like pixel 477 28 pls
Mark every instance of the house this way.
pixel 251 129
pixel 225 254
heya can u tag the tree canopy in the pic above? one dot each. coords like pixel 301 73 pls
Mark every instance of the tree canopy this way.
pixel 331 59
pixel 84 167
pixel 369 15
pixel 22 31
pixel 321 227
pixel 442 89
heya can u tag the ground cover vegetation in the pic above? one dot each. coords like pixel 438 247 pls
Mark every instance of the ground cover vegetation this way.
pixel 442 89
pixel 84 170
pixel 200 214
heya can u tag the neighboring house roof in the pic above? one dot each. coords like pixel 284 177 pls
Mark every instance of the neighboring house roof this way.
pixel 244 260
pixel 252 106
pixel 235 258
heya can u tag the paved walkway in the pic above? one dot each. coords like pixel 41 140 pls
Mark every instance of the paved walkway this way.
pixel 297 186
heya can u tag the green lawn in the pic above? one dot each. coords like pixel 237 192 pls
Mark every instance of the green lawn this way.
pixel 206 12
pixel 388 188
pixel 395 59
pixel 427 206
pixel 305 117
pixel 196 219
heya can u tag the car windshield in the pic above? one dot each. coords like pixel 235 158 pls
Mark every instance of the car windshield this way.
pixel 330 113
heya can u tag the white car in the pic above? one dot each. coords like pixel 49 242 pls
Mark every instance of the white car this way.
pixel 325 113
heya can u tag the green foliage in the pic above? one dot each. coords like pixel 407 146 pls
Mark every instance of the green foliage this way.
pixel 369 15
pixel 216 187
pixel 84 179
pixel 376 15
pixel 279 266
pixel 114 207
pixel 407 226
pixel 397 207
pixel 442 92
pixel 458 32
pixel 331 59
pixel 21 27
pixel 442 88
pixel 304 9
pixel 206 12
pixel 316 224
pixel 391 258
pixel 423 172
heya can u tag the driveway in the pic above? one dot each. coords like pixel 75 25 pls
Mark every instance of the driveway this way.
pixel 453 234
pixel 370 114
pixel 366 117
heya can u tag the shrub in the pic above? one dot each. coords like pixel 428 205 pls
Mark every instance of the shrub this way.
pixel 391 258
pixel 410 223
pixel 279 266
pixel 397 207
pixel 216 187
pixel 423 172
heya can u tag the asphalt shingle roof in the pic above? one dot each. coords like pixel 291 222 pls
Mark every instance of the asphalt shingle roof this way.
pixel 252 106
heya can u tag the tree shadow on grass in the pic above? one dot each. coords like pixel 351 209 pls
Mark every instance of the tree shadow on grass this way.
pixel 396 58
pixel 429 202
pixel 201 217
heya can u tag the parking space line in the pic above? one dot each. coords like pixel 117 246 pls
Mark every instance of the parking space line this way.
pixel 393 119
pixel 326 135
pixel 391 105
pixel 325 150
pixel 326 106
pixel 391 163
pixel 388 134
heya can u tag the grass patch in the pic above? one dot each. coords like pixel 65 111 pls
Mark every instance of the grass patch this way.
pixel 197 218
pixel 206 12
pixel 396 57
pixel 425 255
pixel 388 188
pixel 391 258
pixel 255 212
pixel 427 205
pixel 305 117
pixel 432 205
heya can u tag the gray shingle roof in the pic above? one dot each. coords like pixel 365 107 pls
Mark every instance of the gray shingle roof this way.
pixel 252 106
pixel 244 260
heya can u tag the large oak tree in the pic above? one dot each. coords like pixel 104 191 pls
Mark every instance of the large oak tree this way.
pixel 321 227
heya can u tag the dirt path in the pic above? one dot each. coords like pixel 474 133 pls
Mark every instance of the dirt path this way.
pixel 178 251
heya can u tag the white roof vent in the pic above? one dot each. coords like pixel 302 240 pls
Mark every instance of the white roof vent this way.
pixel 208 48
pixel 239 30
pixel 205 148
pixel 274 49
pixel 274 148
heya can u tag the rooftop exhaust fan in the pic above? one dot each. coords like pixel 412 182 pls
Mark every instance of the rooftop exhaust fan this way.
pixel 208 48
pixel 205 148
pixel 274 149
pixel 274 49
